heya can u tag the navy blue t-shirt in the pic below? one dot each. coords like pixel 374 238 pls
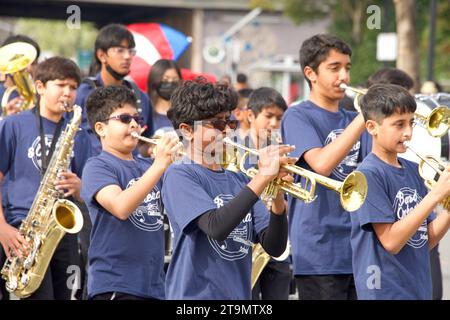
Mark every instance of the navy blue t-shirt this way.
pixel 20 151
pixel 161 121
pixel 202 267
pixel 124 256
pixel 393 193
pixel 320 231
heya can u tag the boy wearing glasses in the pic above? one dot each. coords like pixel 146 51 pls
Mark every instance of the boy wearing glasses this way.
pixel 266 108
pixel 114 52
pixel 216 214
pixel 27 143
pixel 122 193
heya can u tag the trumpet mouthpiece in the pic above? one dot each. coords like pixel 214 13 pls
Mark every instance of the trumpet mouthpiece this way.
pixel 134 134
pixel 343 86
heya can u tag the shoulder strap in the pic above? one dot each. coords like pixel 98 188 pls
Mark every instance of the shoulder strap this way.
pixel 137 92
pixel 91 81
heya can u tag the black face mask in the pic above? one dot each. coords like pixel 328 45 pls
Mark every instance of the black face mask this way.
pixel 114 73
pixel 165 89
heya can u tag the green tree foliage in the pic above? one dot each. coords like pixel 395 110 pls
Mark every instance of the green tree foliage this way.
pixel 442 47
pixel 54 36
pixel 345 14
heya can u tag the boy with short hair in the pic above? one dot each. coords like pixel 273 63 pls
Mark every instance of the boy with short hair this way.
pixel 27 142
pixel 266 109
pixel 122 193
pixel 241 114
pixel 216 214
pixel 329 141
pixel 395 228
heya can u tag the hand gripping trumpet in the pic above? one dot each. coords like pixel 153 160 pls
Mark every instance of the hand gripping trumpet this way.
pixel 437 165
pixel 437 122
pixel 352 191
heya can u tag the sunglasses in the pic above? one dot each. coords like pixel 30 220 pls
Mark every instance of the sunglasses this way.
pixel 126 118
pixel 221 124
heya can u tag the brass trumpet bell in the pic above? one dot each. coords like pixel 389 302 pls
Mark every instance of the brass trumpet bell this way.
pixel 436 122
pixel 437 165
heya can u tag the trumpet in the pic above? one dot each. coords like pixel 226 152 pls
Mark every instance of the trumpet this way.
pixel 436 122
pixel 352 191
pixel 437 165
pixel 155 140
pixel 358 94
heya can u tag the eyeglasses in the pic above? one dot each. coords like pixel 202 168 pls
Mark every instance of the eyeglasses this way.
pixel 220 124
pixel 121 50
pixel 126 118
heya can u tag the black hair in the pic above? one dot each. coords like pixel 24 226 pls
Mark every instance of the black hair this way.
pixel 391 76
pixel 265 97
pixel 245 93
pixel 112 35
pixel 103 101
pixel 23 38
pixel 241 78
pixel 199 99
pixel 383 100
pixel 57 68
pixel 316 49
pixel 243 96
pixel 156 74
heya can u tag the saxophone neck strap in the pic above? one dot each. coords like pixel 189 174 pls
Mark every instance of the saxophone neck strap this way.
pixel 44 157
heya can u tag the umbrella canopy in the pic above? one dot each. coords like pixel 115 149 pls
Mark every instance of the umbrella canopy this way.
pixel 154 41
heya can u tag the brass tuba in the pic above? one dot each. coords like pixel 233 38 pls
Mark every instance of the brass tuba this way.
pixel 14 60
pixel 437 122
pixel 47 221
pixel 435 164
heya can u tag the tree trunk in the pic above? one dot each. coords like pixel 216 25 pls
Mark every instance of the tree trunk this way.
pixel 407 43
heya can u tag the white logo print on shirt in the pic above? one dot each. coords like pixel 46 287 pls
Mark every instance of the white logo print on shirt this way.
pixel 35 153
pixel 350 162
pixel 238 243
pixel 405 201
pixel 148 215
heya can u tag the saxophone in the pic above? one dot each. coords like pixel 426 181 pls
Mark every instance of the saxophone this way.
pixel 49 218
